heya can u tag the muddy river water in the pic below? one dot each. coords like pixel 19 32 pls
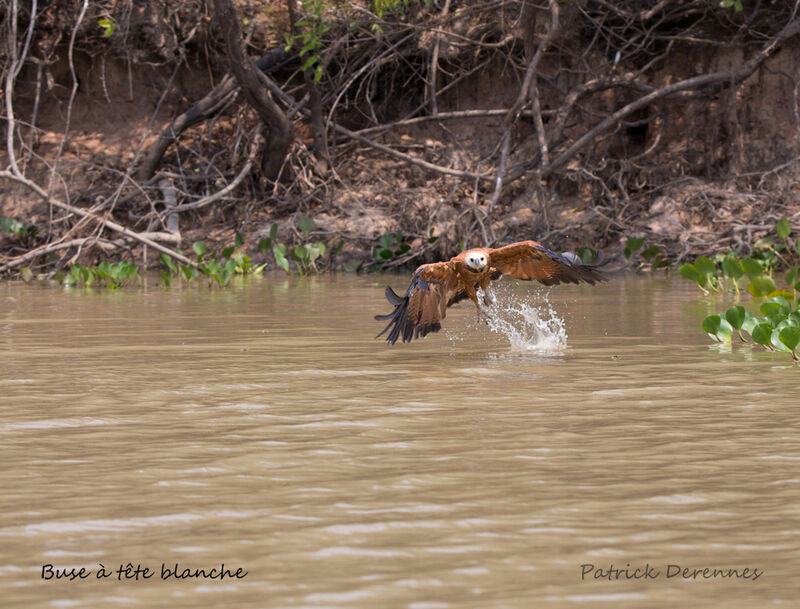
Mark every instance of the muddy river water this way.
pixel 593 450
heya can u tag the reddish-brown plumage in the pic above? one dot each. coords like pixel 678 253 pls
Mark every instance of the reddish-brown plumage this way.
pixel 436 286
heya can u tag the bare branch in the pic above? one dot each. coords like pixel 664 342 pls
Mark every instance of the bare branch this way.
pixel 105 222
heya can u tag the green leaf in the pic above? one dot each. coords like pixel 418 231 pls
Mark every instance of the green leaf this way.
pixel 775 341
pixel 26 273
pixel 770 309
pixel 107 26
pixel 387 240
pixel 752 267
pixel 761 286
pixel 705 266
pixel 718 328
pixel 661 262
pixel 103 270
pixel 189 272
pixel 264 243
pixel 165 279
pixel 200 249
pixel 300 253
pixel 651 252
pixel 784 305
pixel 688 271
pixel 750 322
pixel 238 241
pixel 631 245
pixel 783 228
pixel 279 251
pixel 312 59
pixel 167 262
pixel 731 267
pixel 306 225
pixel 208 269
pixel 273 231
pixel 764 243
pixel 791 276
pixel 12 226
pixel 315 250
pixel 762 334
pixel 735 316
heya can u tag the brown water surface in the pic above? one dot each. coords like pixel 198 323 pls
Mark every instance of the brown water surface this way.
pixel 264 427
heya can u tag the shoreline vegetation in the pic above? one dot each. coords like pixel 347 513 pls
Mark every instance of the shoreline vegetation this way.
pixel 215 138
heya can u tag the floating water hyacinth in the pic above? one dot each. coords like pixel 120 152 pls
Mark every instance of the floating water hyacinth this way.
pixel 777 329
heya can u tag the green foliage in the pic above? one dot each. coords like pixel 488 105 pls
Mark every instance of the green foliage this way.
pixel 382 7
pixel 112 275
pixel 107 25
pixel 279 251
pixel 219 267
pixel 15 228
pixel 311 29
pixel 587 254
pixel 718 328
pixel 306 225
pixel 736 4
pixel 633 244
pixel 783 228
pixel 391 246
pixel 651 255
pixel 726 270
pixel 776 329
pixel 761 286
pixel 265 243
pixel 308 256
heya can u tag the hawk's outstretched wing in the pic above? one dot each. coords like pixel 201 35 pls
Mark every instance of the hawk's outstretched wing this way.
pixel 531 260
pixel 423 307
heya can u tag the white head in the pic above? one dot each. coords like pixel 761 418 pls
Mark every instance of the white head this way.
pixel 475 260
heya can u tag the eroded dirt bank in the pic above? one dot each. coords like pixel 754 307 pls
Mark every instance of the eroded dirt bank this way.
pixel 445 125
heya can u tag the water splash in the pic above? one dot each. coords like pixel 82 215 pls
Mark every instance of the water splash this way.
pixel 529 327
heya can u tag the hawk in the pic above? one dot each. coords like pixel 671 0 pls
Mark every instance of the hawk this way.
pixel 436 286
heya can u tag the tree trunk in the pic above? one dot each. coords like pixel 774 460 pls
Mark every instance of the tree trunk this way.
pixel 280 132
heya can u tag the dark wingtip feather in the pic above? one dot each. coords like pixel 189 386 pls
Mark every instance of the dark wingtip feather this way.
pixel 392 296
pixel 574 271
pixel 400 326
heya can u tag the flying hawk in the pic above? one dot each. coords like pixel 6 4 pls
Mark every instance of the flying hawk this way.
pixel 438 285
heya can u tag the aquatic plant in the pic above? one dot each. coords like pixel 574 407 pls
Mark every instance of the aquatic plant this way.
pixel 112 275
pixel 308 256
pixel 26 234
pixel 727 269
pixel 776 329
pixel 391 246
pixel 219 266
pixel 651 256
